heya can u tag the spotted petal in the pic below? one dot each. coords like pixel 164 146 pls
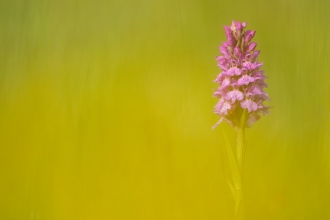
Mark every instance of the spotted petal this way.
pixel 234 95
pixel 249 105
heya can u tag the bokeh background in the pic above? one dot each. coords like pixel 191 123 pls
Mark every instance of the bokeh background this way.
pixel 106 110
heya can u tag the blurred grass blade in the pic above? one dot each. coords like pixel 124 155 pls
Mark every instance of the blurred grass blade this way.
pixel 236 176
pixel 232 190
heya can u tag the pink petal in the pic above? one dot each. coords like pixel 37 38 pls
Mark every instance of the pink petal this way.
pixel 251 47
pixel 234 95
pixel 237 52
pixel 249 36
pixel 222 107
pixel 220 78
pixel 249 105
pixel 255 55
pixel 234 71
pixel 225 83
pixel 245 80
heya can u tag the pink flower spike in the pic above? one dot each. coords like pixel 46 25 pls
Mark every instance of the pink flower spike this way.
pixel 241 82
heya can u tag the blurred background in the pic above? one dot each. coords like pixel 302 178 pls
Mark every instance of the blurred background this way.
pixel 106 110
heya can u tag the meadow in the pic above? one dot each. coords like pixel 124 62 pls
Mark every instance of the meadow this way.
pixel 106 110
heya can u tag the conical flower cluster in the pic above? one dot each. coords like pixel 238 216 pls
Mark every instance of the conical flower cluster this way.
pixel 241 81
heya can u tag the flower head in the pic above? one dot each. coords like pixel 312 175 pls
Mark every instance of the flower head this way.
pixel 241 81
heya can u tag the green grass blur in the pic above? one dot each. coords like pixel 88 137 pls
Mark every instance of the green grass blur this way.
pixel 106 110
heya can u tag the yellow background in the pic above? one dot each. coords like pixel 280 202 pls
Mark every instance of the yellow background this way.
pixel 106 110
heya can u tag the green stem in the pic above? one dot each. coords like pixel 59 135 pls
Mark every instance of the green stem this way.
pixel 241 140
pixel 240 146
pixel 240 153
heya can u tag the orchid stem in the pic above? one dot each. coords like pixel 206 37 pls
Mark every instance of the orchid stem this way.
pixel 240 154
